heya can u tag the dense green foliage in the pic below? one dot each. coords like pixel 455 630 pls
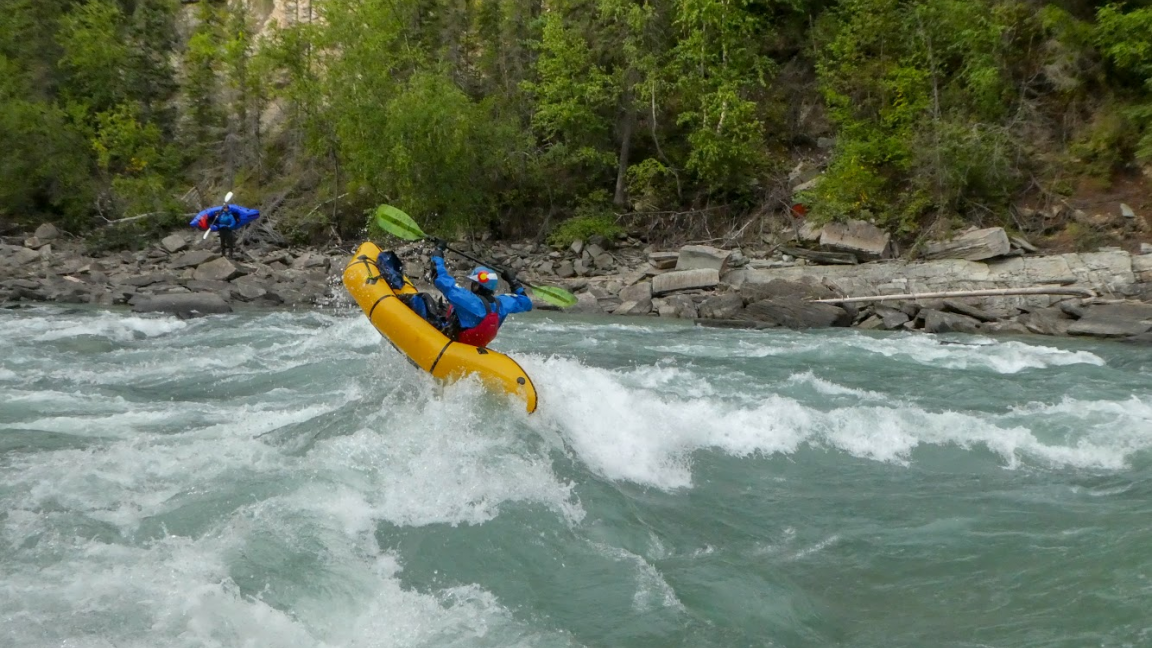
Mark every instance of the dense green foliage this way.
pixel 514 115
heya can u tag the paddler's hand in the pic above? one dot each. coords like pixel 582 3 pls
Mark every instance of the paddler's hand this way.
pixel 441 247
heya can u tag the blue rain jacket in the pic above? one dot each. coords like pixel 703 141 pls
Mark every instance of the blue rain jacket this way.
pixel 470 308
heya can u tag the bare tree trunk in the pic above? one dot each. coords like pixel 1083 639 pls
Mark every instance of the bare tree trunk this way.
pixel 628 120
pixel 992 292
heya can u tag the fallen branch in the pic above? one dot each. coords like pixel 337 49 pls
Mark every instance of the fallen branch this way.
pixel 132 218
pixel 993 292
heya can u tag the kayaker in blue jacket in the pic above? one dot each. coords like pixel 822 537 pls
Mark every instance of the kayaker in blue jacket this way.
pixel 474 314
pixel 225 220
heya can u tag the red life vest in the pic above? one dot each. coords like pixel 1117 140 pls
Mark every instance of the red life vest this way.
pixel 483 333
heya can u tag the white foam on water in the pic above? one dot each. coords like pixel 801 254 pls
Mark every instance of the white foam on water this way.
pixel 829 388
pixel 178 591
pixel 625 428
pixel 652 590
pixel 1004 357
pixel 113 326
pixel 431 459
pixel 449 458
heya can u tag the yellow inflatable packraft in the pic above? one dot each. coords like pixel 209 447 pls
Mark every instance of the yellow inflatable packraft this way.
pixel 425 346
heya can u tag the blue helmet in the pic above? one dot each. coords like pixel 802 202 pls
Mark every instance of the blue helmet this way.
pixel 486 277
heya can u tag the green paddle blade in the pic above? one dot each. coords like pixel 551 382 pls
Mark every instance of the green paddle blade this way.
pixel 397 223
pixel 554 295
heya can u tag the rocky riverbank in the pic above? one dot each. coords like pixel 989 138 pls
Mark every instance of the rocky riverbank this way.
pixel 757 286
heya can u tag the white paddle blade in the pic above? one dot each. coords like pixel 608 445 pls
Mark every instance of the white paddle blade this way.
pixel 228 197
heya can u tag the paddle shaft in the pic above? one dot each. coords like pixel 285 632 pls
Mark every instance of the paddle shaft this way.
pixel 475 260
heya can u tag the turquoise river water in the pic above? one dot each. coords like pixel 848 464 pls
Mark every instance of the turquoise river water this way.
pixel 287 479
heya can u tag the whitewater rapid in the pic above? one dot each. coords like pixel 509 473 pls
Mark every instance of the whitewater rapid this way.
pixel 286 479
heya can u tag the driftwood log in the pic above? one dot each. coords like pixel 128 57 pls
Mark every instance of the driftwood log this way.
pixel 993 292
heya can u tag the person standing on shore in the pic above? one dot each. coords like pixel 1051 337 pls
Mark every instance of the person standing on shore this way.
pixel 225 219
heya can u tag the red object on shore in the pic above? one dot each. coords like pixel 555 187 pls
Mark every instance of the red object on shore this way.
pixel 799 210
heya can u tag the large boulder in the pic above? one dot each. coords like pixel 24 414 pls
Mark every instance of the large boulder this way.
pixel 684 280
pixel 753 289
pixel 174 242
pixel 219 269
pixel 663 260
pixel 858 237
pixel 634 308
pixel 680 306
pixel 890 318
pixel 724 306
pixel 183 305
pixel 310 260
pixel 586 303
pixel 976 245
pixel 46 232
pixel 193 258
pixel 1046 321
pixel 696 257
pixel 22 256
pixel 940 322
pixel 1114 320
pixel 796 313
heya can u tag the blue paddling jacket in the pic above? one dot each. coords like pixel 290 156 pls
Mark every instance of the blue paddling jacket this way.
pixel 468 307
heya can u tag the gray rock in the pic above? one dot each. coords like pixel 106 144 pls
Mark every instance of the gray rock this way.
pixel 796 313
pixel 735 324
pixel 753 289
pixel 697 257
pixel 1046 321
pixel 1004 328
pixel 310 260
pixel 577 247
pixel 148 279
pixel 855 236
pixel 33 243
pixel 184 306
pixel 680 306
pixel 220 269
pixel 223 288
pixel 892 318
pixel 684 280
pixel 604 261
pixel 47 232
pixel 663 260
pixel 23 256
pixel 976 245
pixel 638 292
pixel 940 322
pixel 594 250
pixel 250 291
pixel 565 270
pixel 724 306
pixel 193 258
pixel 871 323
pixel 586 303
pixel 174 242
pixel 969 310
pixel 1114 320
pixel 1072 307
pixel 634 308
